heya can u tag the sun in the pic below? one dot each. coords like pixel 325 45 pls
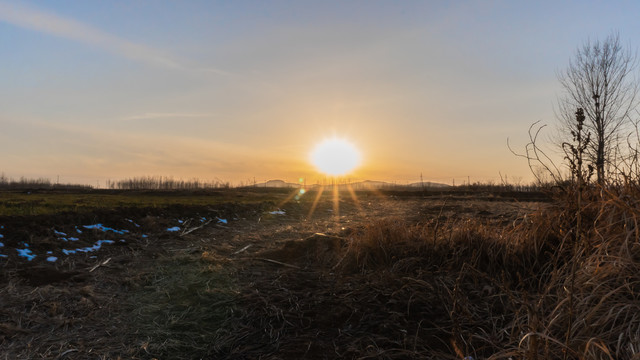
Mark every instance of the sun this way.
pixel 335 157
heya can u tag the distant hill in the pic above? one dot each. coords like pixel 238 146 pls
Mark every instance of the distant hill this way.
pixel 276 184
pixel 360 185
pixel 429 184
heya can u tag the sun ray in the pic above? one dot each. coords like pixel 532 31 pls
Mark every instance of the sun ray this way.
pixel 297 192
pixel 335 157
pixel 315 202
pixel 354 197
pixel 336 202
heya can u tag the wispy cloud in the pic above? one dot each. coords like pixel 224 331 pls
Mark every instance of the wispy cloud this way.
pixel 43 21
pixel 157 116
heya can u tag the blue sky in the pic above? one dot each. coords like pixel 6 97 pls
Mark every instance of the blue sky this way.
pixel 233 90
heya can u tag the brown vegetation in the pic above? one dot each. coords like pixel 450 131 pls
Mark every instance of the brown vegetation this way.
pixel 451 289
pixel 444 277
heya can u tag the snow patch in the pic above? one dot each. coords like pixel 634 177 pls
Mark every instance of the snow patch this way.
pixel 95 247
pixel 131 221
pixel 105 228
pixel 69 239
pixel 26 253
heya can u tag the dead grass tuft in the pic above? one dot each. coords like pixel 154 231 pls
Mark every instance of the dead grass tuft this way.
pixel 535 288
pixel 181 307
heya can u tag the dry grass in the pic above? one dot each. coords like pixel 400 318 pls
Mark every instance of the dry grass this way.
pixel 179 309
pixel 53 322
pixel 451 289
pixel 430 287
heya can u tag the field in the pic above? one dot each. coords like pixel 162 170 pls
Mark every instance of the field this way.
pixel 259 273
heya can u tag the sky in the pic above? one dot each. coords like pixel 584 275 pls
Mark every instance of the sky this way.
pixel 237 91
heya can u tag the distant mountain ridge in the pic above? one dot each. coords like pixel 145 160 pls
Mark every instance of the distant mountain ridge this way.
pixel 276 184
pixel 358 185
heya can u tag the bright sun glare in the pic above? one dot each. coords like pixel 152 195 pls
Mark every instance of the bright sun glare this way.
pixel 335 157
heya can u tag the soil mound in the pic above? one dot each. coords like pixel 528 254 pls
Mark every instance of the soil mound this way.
pixel 317 249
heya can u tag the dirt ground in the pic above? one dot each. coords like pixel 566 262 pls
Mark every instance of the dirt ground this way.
pixel 186 282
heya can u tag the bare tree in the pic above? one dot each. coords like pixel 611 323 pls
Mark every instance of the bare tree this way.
pixel 599 80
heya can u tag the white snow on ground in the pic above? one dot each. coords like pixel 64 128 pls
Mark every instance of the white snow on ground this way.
pixel 69 239
pixel 63 236
pixel 95 247
pixel 26 253
pixel 105 228
pixel 29 255
pixel 277 212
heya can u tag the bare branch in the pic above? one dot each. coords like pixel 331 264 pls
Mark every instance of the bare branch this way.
pixel 599 80
pixel 536 157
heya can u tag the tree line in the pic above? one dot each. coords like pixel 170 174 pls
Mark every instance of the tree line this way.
pixel 165 183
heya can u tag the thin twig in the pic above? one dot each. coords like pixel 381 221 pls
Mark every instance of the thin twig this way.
pixel 67 352
pixel 100 264
pixel 278 262
pixel 243 249
pixel 188 231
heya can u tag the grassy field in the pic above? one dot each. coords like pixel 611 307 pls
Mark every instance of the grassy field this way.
pixel 42 202
pixel 238 274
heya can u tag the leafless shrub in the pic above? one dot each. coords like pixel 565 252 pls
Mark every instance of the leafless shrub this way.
pixel 165 183
pixel 23 183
